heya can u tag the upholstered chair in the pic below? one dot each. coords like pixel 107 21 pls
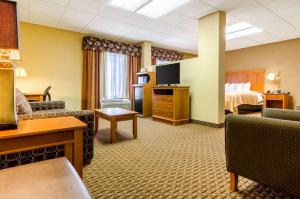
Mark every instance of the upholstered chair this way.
pixel 265 149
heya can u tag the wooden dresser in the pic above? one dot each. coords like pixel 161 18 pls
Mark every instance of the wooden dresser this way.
pixel 170 104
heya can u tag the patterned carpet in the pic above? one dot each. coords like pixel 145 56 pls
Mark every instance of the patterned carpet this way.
pixel 164 162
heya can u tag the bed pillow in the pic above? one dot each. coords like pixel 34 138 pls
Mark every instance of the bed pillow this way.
pixel 23 106
pixel 247 86
pixel 226 86
pixel 239 87
pixel 231 87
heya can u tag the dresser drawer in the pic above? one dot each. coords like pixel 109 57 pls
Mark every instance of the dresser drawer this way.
pixel 163 113
pixel 163 106
pixel 163 98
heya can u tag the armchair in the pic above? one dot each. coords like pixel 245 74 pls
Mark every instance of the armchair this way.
pixel 51 109
pixel 265 150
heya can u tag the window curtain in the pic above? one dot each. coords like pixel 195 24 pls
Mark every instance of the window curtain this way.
pixel 134 63
pixel 115 81
pixel 153 61
pixel 91 79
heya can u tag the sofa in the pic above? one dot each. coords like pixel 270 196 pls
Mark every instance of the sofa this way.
pixel 51 109
pixel 265 150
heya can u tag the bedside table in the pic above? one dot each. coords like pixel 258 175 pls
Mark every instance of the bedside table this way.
pixel 276 100
pixel 34 97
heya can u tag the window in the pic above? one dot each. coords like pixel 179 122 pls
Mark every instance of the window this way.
pixel 115 82
pixel 159 62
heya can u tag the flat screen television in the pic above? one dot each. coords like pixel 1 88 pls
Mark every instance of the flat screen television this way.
pixel 168 74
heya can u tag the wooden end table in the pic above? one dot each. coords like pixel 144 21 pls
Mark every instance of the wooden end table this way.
pixel 114 115
pixel 40 133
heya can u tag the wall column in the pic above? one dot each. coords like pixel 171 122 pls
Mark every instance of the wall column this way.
pixel 211 49
pixel 146 54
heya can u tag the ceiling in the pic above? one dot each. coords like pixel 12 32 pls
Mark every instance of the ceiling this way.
pixel 280 20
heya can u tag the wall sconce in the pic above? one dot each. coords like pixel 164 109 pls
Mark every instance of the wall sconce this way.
pixel 274 77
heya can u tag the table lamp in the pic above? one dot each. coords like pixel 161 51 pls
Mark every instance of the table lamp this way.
pixel 274 77
pixel 9 51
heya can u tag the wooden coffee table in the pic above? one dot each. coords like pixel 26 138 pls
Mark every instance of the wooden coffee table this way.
pixel 114 115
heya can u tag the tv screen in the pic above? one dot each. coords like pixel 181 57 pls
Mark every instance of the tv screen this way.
pixel 168 74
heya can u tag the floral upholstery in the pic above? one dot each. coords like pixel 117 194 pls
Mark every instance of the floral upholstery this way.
pixel 48 110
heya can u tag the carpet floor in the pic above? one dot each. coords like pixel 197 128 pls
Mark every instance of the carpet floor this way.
pixel 185 161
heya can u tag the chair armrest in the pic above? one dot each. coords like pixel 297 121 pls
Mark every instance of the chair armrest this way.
pixel 264 150
pixel 283 114
pixel 47 105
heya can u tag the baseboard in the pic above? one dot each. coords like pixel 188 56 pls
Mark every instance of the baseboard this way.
pixel 208 123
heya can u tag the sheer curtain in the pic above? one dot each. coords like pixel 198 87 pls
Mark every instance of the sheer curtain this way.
pixel 115 76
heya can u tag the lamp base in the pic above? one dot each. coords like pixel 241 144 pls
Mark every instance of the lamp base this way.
pixel 8 127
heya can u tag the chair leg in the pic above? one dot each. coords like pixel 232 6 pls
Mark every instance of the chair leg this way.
pixel 234 178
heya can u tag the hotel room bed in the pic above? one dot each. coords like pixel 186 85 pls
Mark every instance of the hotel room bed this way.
pixel 247 93
pixel 243 101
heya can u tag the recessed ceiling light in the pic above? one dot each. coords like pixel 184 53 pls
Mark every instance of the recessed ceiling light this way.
pixel 157 8
pixel 238 27
pixel 131 5
pixel 242 33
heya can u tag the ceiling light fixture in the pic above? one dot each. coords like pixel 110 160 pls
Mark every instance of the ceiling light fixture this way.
pixel 157 8
pixel 131 5
pixel 149 8
pixel 240 30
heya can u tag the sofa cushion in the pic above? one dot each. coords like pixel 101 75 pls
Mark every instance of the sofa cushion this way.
pixel 23 106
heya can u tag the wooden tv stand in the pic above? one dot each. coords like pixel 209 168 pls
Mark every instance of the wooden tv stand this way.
pixel 171 104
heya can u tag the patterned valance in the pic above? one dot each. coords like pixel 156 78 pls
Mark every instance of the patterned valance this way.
pixel 166 55
pixel 92 43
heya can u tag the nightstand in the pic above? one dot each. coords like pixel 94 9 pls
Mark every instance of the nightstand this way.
pixel 276 101
pixel 34 97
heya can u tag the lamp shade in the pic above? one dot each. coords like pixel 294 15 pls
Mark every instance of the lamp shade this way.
pixel 20 71
pixel 9 43
pixel 271 76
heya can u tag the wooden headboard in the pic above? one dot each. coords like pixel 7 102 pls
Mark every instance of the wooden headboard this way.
pixel 256 77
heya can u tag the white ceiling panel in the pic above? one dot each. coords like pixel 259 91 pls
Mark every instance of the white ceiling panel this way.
pixel 195 9
pixel 114 13
pixel 89 6
pixel 173 18
pixel 72 15
pixel 279 20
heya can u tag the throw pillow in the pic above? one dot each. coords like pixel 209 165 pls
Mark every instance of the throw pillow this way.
pixel 23 106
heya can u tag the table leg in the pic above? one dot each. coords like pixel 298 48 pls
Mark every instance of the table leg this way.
pixel 96 123
pixel 69 152
pixel 113 130
pixel 78 151
pixel 134 126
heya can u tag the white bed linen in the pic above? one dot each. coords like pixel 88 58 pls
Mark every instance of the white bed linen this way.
pixel 235 98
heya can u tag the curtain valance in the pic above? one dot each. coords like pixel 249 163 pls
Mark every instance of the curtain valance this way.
pixel 92 43
pixel 167 55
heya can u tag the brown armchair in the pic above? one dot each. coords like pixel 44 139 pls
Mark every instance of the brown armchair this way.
pixel 265 150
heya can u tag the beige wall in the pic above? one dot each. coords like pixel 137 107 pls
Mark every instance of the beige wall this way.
pixel 281 56
pixel 52 57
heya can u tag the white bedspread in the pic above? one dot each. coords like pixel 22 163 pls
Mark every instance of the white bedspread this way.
pixel 235 98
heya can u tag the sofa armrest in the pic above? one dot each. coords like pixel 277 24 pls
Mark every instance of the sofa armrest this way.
pixel 47 105
pixel 283 114
pixel 264 150
pixel 84 115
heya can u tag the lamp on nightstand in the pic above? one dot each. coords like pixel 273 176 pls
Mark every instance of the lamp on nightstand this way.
pixel 9 51
pixel 274 77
